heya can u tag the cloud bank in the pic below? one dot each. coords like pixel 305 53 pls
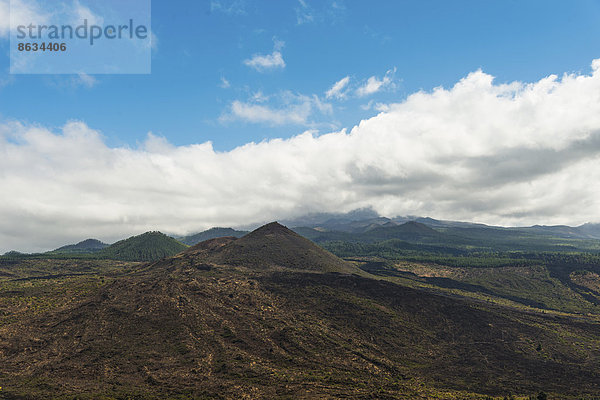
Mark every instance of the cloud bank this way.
pixel 517 153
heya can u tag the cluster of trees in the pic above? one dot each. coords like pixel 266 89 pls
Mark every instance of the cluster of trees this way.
pixel 397 250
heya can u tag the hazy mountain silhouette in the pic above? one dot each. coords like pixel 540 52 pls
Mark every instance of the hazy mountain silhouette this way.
pixel 211 234
pixel 85 246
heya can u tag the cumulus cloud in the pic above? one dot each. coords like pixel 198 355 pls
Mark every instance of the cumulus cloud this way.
pixel 374 84
pixel 337 90
pixel 267 62
pixel 511 154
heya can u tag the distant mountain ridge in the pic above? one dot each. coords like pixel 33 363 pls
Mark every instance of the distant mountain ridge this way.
pixel 85 246
pixel 362 220
pixel 593 230
pixel 365 225
pixel 409 231
pixel 211 233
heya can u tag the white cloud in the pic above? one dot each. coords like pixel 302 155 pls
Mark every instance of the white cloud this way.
pixel 268 62
pixel 341 89
pixel 262 63
pixel 374 84
pixel 256 113
pixel 518 153
pixel 371 86
pixel 337 90
pixel 290 108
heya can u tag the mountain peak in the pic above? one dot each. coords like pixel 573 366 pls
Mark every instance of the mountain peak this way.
pixel 273 228
pixel 274 245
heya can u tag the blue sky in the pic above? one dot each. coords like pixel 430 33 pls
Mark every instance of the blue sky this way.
pixel 202 44
pixel 481 111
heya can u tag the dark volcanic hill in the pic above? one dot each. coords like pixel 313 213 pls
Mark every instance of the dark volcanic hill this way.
pixel 210 245
pixel 272 245
pixel 261 317
pixel 149 246
pixel 86 246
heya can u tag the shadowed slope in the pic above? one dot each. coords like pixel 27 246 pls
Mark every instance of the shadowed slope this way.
pixel 193 334
pixel 210 245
